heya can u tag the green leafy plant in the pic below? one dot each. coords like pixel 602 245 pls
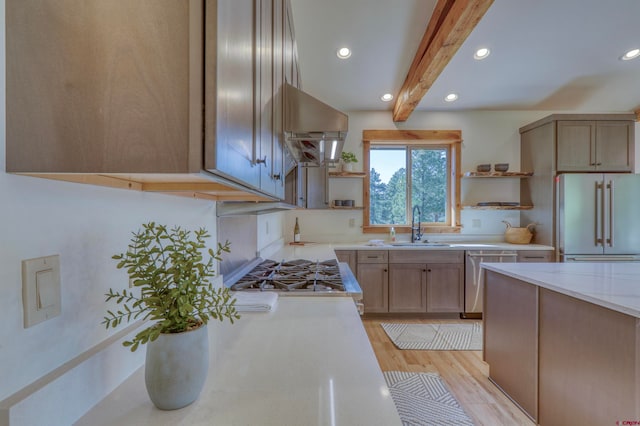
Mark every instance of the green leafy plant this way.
pixel 348 157
pixel 175 291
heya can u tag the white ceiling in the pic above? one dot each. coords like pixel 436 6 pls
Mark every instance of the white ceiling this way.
pixel 552 55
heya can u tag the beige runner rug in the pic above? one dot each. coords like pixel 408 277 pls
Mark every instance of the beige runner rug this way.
pixel 436 336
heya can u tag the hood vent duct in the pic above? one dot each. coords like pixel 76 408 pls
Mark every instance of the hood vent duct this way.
pixel 314 131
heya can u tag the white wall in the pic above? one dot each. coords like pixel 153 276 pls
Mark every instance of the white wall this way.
pixel 488 137
pixel 85 225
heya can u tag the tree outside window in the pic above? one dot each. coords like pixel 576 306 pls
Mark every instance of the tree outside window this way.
pixel 408 173
pixel 426 186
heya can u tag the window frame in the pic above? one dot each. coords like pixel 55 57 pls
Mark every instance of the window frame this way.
pixel 415 138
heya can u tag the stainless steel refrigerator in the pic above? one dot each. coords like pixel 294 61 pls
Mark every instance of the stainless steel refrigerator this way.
pixel 598 217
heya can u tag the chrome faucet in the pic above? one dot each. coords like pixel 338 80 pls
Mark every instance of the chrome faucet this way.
pixel 415 231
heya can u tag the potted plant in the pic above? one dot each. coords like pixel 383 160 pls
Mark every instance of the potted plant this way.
pixel 169 268
pixel 348 158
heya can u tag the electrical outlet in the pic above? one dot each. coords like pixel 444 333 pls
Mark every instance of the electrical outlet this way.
pixel 130 282
pixel 352 222
pixel 475 223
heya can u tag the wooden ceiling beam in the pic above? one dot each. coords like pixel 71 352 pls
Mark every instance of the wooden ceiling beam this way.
pixel 451 23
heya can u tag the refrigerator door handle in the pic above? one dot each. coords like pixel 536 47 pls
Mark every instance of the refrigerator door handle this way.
pixel 599 207
pixel 611 224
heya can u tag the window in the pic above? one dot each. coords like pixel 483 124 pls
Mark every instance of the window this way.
pixel 407 170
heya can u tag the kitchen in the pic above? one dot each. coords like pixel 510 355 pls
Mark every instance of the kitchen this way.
pixel 86 224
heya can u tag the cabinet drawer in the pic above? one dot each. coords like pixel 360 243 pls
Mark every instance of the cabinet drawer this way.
pixel 373 256
pixel 535 256
pixel 426 256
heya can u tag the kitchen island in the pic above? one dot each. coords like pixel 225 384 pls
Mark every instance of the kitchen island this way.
pixel 308 362
pixel 563 339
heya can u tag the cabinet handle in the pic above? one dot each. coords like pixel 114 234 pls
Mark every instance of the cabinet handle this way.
pixel 262 160
pixel 598 164
pixel 424 270
pixel 385 270
pixel 276 176
pixel 428 270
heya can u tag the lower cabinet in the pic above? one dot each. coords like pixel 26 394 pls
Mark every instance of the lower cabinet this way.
pixel 348 257
pixel 445 287
pixel 407 288
pixel 374 281
pixel 415 281
pixel 373 277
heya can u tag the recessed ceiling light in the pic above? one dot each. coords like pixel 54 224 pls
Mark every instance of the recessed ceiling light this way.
pixel 386 97
pixel 631 54
pixel 481 53
pixel 344 52
pixel 451 97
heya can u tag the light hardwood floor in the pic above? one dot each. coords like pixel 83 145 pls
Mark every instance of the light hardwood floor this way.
pixel 463 371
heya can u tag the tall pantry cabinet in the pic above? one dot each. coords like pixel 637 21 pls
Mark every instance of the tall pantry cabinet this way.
pixel 161 95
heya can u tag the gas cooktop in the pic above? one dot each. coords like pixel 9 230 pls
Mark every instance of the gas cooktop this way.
pixel 296 276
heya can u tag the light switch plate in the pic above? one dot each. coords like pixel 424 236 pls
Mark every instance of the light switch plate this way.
pixel 41 298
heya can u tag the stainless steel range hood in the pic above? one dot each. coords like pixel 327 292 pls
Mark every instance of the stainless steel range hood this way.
pixel 314 131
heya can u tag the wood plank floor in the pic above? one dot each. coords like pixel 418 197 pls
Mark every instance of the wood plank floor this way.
pixel 463 371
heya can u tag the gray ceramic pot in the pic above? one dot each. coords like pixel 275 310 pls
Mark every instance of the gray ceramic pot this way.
pixel 176 368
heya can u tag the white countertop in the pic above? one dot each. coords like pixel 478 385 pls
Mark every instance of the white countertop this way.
pixel 324 251
pixel 612 285
pixel 307 363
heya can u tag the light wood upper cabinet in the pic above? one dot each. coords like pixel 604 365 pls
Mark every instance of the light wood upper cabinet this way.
pixel 590 145
pixel 231 147
pixel 83 97
pixel 150 94
pixel 615 146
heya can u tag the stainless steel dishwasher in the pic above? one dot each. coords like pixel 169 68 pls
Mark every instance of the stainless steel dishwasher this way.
pixel 473 279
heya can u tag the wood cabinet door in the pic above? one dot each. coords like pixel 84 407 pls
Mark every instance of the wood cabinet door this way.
pixel 576 144
pixel 614 146
pixel 103 86
pixel 374 281
pixel 264 94
pixel 289 45
pixel 445 287
pixel 278 149
pixel 407 288
pixel 229 84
